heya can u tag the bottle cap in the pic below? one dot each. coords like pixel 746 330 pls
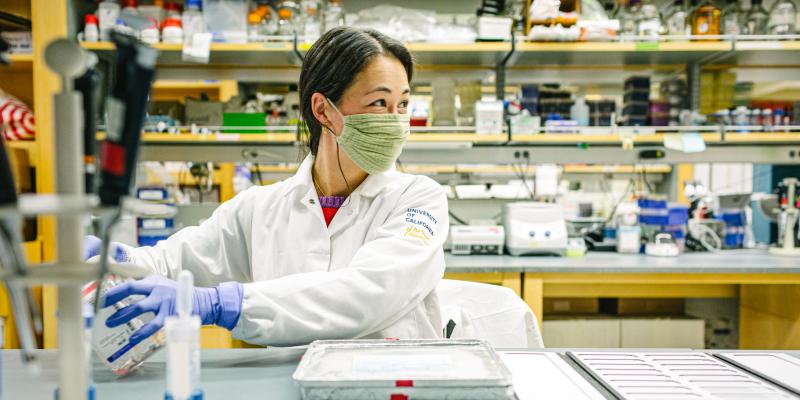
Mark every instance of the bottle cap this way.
pixel 130 3
pixel 90 19
pixel 253 18
pixel 193 3
pixel 172 22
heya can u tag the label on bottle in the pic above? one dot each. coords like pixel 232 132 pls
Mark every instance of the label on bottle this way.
pixel 646 46
pixel 702 28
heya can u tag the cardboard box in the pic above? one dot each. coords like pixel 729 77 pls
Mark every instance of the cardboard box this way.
pixel 653 307
pixel 662 333
pixel 581 333
pixel 571 306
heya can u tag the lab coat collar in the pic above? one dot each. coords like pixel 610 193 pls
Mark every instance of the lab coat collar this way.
pixel 371 186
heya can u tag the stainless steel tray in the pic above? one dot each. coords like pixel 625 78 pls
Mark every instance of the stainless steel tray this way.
pixel 419 369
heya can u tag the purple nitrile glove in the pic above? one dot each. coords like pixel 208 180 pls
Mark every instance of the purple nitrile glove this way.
pixel 93 246
pixel 220 305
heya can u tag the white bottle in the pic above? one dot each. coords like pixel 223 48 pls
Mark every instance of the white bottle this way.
pixel 107 14
pixel 172 32
pixel 150 35
pixel 183 344
pixel 91 33
pixel 580 112
pixel 192 19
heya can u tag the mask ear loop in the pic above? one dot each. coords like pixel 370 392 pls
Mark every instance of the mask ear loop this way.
pixel 338 158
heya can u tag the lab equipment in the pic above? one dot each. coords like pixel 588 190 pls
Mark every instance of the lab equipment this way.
pixel 489 117
pixel 476 239
pixel 787 224
pixel 731 13
pixel 420 369
pixel 112 344
pixel 783 18
pixel 663 246
pixel 673 375
pixel 172 31
pixel 648 20
pixel 226 20
pixel 494 28
pixel 756 19
pixel 107 15
pixel 780 369
pixel 91 33
pixel 535 228
pixel 183 345
pixel 192 20
pixel 675 21
pixel 334 15
pixel 706 19
pixel 87 85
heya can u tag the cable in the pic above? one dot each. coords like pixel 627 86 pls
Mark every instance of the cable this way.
pixel 704 232
pixel 456 218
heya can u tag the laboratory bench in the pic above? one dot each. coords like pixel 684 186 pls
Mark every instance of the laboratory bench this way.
pixel 767 286
pixel 267 374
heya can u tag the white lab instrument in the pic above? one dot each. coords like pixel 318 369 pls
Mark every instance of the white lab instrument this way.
pixel 385 244
pixel 788 222
pixel 547 376
pixel 535 228
pixel 183 345
pixel 778 368
pixel 629 239
pixel 419 369
pixel 663 246
pixel 111 344
pixel 473 239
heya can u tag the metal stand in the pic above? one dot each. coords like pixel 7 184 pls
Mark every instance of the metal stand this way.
pixel 792 212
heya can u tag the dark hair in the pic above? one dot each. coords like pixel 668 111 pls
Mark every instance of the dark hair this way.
pixel 333 62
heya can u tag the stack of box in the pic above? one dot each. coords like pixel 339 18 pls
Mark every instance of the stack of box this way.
pixel 677 221
pixel 653 215
pixel 152 230
pixel 659 113
pixel 636 103
pixel 600 111
pixel 674 92
pixel 735 220
pixel 716 91
pixel 554 103
pixel 530 98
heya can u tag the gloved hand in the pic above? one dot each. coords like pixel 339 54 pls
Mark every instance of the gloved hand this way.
pixel 93 246
pixel 219 305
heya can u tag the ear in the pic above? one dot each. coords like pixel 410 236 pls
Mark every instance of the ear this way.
pixel 320 108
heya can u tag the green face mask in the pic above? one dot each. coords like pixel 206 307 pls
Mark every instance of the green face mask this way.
pixel 373 141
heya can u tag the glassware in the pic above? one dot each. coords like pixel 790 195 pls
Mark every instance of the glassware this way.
pixel 731 23
pixel 648 19
pixel 783 18
pixel 756 19
pixel 334 15
pixel 312 26
pixel 706 19
pixel 675 21
pixel 287 18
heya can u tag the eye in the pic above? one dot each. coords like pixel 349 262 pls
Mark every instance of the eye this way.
pixel 404 104
pixel 379 103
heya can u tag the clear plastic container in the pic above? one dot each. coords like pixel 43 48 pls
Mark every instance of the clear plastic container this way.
pixel 783 18
pixel 111 344
pixel 418 369
pixel 226 20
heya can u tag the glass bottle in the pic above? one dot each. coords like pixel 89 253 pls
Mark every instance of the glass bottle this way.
pixel 312 27
pixel 334 15
pixel 731 21
pixel 706 19
pixel 648 19
pixel 627 18
pixel 756 19
pixel 675 21
pixel 285 22
pixel 783 18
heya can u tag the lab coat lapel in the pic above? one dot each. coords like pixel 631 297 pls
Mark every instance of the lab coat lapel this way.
pixel 348 214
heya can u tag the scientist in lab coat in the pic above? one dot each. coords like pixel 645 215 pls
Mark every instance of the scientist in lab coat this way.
pixel 346 248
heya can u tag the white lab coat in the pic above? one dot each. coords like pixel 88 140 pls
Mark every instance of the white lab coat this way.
pixel 370 274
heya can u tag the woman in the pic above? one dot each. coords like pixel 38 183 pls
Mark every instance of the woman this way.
pixel 346 248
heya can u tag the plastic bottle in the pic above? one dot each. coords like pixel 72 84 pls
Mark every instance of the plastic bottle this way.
pixel 676 20
pixel 580 112
pixel 730 19
pixel 312 27
pixel 107 14
pixel 192 20
pixel 648 20
pixel 783 18
pixel 756 19
pixel 334 15
pixel 130 6
pixel 91 33
pixel 172 32
pixel 183 345
pixel 286 26
pixel 154 11
pixel 150 34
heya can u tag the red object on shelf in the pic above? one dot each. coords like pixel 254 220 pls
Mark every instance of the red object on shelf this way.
pixel 130 3
pixel 419 121
pixel 404 383
pixel 90 19
pixel 398 396
pixel 172 22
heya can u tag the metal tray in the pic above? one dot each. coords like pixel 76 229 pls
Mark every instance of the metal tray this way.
pixel 419 369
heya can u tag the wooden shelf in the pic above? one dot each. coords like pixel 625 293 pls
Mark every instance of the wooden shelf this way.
pixel 502 169
pixel 28 146
pixel 21 61
pixel 33 251
pixel 573 138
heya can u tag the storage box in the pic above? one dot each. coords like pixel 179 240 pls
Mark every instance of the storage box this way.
pixel 583 333
pixel 662 333
pixel 642 306
pixel 571 306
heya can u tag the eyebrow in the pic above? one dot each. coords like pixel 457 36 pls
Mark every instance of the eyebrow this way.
pixel 387 90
